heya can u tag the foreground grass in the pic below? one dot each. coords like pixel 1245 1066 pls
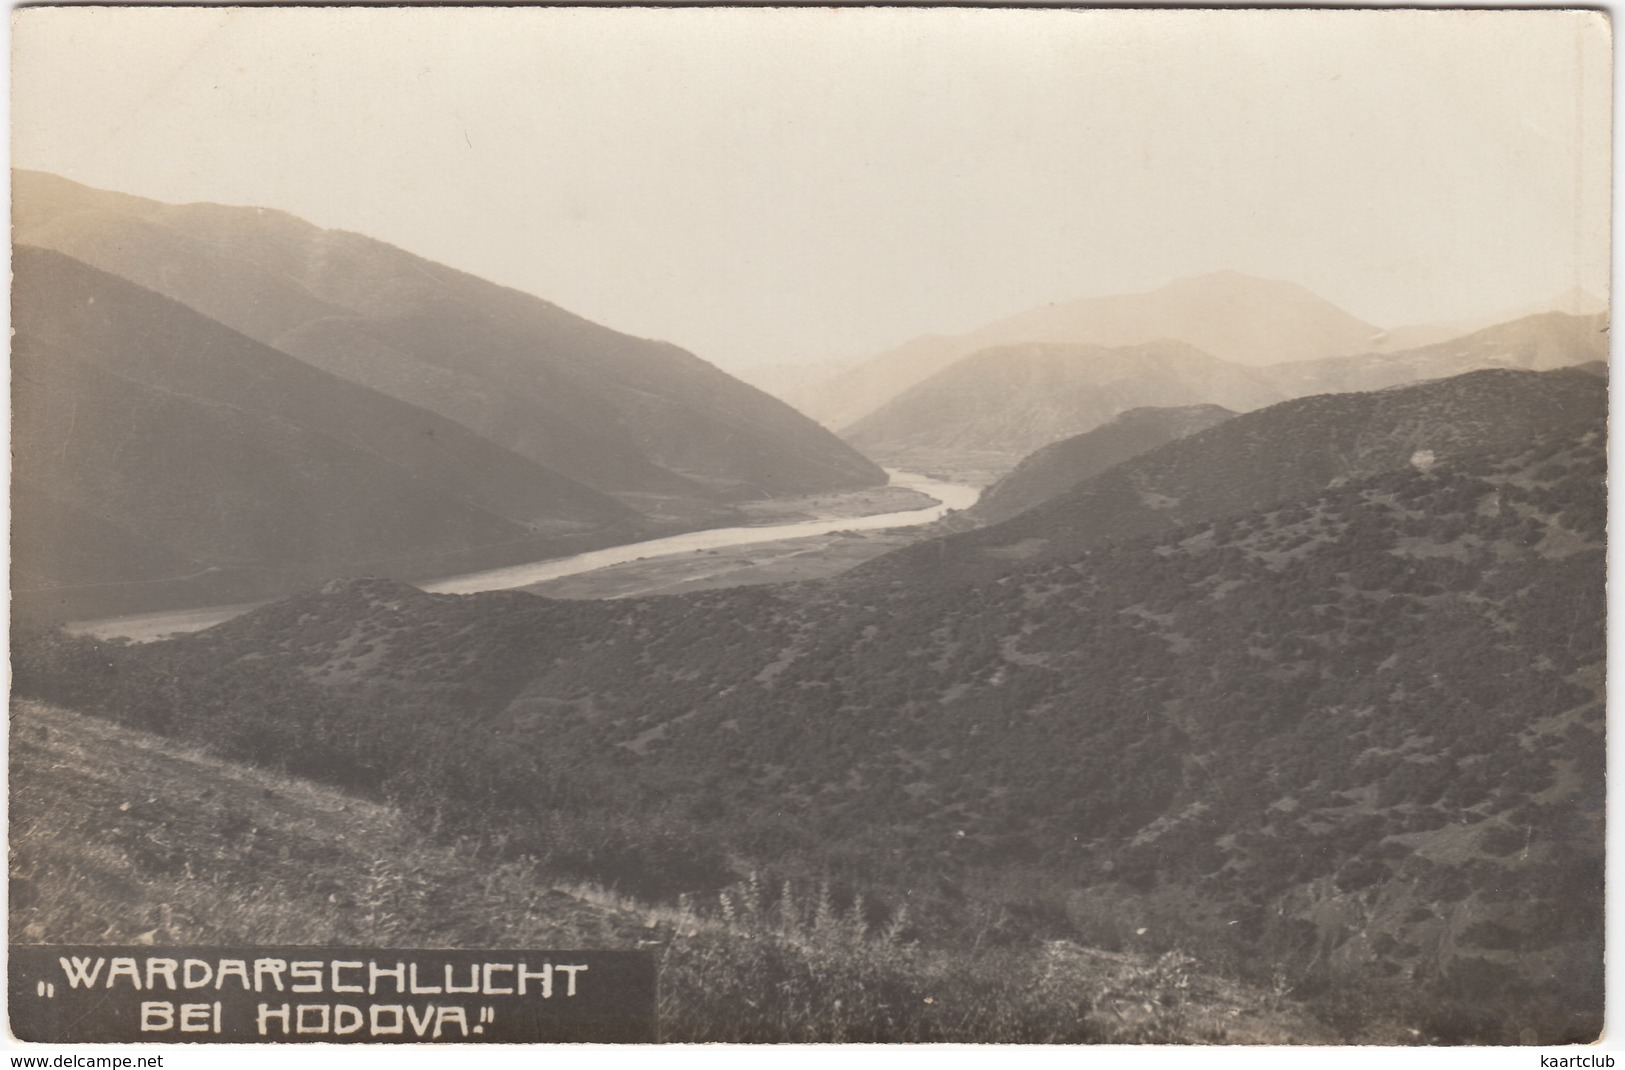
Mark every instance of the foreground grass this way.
pixel 118 836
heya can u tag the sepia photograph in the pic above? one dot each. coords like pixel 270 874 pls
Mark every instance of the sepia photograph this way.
pixel 866 525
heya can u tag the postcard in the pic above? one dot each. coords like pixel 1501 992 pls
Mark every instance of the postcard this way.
pixel 816 525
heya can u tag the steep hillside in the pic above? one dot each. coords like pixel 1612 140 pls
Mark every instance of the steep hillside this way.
pixel 1350 738
pixel 1062 465
pixel 1535 343
pixel 119 836
pixel 1021 398
pixel 617 413
pixel 1230 315
pixel 1281 453
pixel 160 457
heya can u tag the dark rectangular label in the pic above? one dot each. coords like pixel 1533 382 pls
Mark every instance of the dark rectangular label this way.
pixel 106 994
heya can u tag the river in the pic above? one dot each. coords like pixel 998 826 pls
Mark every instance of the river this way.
pixel 950 496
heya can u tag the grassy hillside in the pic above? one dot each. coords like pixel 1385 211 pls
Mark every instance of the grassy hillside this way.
pixel 118 836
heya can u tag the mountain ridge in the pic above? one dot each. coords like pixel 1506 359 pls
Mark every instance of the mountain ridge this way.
pixel 1012 400
pixel 1017 399
pixel 1062 465
pixel 1282 452
pixel 1538 342
pixel 1230 315
pixel 618 413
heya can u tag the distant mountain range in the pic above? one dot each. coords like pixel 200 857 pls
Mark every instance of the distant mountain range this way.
pixel 1575 301
pixel 1279 327
pixel 1229 315
pixel 1533 343
pixel 1015 399
pixel 304 343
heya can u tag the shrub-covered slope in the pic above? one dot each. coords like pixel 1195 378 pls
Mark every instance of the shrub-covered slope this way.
pixel 1062 465
pixel 1353 736
pixel 119 836
pixel 1287 451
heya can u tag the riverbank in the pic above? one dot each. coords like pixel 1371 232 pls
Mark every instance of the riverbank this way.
pixel 891 498
pixel 812 557
pixel 841 533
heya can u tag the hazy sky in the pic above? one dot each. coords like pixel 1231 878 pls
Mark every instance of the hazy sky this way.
pixel 794 184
